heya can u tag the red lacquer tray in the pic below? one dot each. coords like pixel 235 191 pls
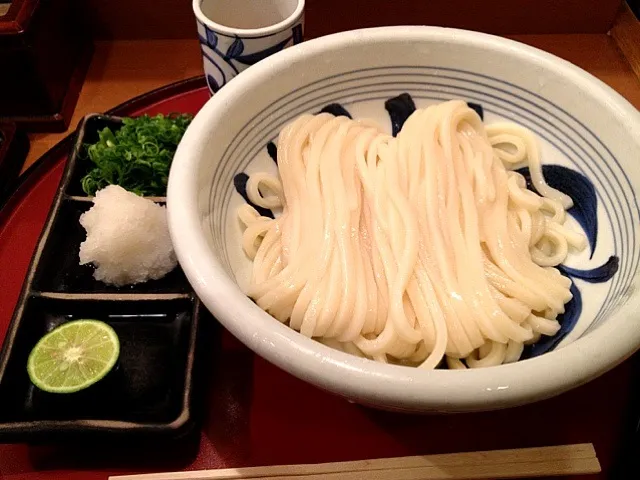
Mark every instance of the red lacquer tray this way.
pixel 258 415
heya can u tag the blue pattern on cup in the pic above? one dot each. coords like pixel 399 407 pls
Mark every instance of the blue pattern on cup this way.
pixel 224 57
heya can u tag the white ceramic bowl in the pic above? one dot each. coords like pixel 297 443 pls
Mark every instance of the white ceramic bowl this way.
pixel 582 123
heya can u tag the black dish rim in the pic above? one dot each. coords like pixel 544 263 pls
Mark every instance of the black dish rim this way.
pixel 50 430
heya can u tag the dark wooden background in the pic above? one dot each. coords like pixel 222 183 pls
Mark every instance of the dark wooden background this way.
pixel 131 19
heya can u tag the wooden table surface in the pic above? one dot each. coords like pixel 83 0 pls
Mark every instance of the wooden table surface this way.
pixel 123 69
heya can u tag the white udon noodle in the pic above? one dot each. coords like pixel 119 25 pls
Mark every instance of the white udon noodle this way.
pixel 410 249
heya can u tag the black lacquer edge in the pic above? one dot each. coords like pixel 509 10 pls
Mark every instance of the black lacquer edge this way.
pixel 49 430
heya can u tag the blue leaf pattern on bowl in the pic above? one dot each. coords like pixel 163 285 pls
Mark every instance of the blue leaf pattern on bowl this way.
pixel 272 150
pixel 580 189
pixel 568 320
pixel 568 181
pixel 336 110
pixel 477 108
pixel 601 274
pixel 240 183
pixel 399 108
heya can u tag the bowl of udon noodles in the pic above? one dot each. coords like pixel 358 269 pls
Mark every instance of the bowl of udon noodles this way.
pixel 416 218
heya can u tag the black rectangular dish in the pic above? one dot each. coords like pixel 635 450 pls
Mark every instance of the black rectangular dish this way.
pixel 151 391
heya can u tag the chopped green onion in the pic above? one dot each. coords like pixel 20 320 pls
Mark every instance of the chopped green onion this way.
pixel 137 156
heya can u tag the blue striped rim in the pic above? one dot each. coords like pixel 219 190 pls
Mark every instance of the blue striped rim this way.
pixel 250 149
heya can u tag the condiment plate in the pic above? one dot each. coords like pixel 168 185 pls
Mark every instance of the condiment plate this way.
pixel 151 392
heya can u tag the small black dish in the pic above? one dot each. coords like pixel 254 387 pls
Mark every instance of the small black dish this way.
pixel 153 391
pixel 14 147
pixel 147 382
pixel 149 392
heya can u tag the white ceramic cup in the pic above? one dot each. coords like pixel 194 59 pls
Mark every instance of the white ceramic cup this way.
pixel 235 34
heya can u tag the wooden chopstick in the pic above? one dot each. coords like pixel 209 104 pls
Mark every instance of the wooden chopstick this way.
pixel 516 463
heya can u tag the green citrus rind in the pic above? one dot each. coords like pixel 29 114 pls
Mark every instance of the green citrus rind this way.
pixel 38 352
